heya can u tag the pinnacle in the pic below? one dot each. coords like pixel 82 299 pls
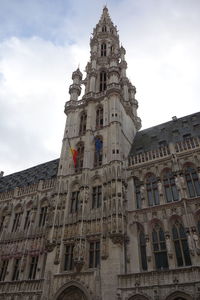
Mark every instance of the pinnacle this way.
pixel 105 17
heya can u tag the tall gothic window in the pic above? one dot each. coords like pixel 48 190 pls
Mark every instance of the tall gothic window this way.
pixel 99 117
pixel 16 269
pixel 43 216
pixel 104 28
pixel 3 270
pixel 137 193
pixel 103 79
pixel 171 192
pixel 193 183
pixel 143 254
pixel 152 190
pixel 94 254
pixel 74 201
pixel 2 222
pixel 83 121
pixel 27 220
pixel 68 257
pixel 198 226
pixel 103 49
pixel 159 248
pixel 33 267
pixel 80 156
pixel 16 222
pixel 98 152
pixel 181 245
pixel 96 196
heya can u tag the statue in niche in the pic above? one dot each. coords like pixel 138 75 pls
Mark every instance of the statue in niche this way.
pixel 180 186
pixel 104 253
pixel 160 190
pixel 196 242
pixel 168 245
pixel 175 163
pixel 114 224
pixel 190 243
pixel 6 221
pixel 56 260
pixel 120 224
pixel 142 192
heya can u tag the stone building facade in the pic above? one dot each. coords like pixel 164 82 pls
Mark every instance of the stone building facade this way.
pixel 117 216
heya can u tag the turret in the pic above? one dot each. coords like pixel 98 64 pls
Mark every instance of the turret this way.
pixel 75 87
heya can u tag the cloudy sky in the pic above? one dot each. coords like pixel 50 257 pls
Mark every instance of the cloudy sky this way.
pixel 43 41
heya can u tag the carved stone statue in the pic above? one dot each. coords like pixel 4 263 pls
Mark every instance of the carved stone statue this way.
pixel 180 186
pixel 142 192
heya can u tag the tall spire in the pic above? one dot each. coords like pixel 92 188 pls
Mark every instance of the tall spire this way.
pixel 105 17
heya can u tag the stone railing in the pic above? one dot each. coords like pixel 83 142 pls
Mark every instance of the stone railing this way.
pixel 187 144
pixel 167 277
pixel 27 189
pixel 149 156
pixel 161 152
pixel 21 235
pixel 31 286
pixel 48 184
pixel 7 195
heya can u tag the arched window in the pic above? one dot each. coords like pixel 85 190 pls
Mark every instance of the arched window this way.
pixel 143 254
pixel 103 79
pixel 181 245
pixel 152 190
pixel 198 226
pixel 104 28
pixel 83 121
pixel 171 192
pixel 159 248
pixel 80 156
pixel 137 193
pixel 103 49
pixel 98 152
pixel 193 183
pixel 43 216
pixel 99 117
pixel 17 220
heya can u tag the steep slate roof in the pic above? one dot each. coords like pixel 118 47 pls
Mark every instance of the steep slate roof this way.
pixel 29 176
pixel 145 140
pixel 172 131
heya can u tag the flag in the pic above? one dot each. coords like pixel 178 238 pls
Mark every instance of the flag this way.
pixel 98 144
pixel 74 153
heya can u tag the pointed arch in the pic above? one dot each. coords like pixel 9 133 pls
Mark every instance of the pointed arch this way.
pixel 138 196
pixel 138 297
pixel 80 156
pixel 83 123
pixel 142 247
pixel 99 117
pixel 159 247
pixel 180 241
pixel 192 180
pixel 73 291
pixel 152 189
pixel 102 81
pixel 98 151
pixel 179 295
pixel 169 185
pixel 103 49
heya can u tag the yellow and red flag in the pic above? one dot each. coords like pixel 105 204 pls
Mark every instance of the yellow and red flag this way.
pixel 74 153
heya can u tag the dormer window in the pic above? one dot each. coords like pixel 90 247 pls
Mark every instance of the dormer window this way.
pixel 104 29
pixel 103 49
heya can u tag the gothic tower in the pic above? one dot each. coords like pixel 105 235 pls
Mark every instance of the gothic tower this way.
pixel 99 131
